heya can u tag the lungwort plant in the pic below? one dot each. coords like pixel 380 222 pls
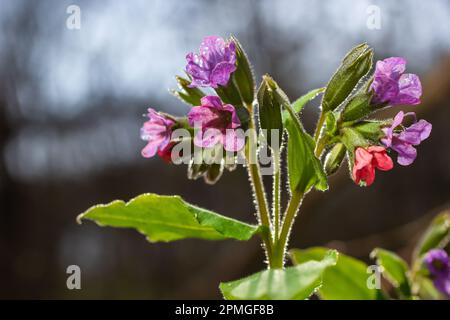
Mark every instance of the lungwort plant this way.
pixel 233 120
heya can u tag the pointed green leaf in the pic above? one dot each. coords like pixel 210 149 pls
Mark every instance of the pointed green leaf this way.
pixel 297 282
pixel 395 270
pixel 191 96
pixel 347 280
pixel 305 170
pixel 437 235
pixel 243 76
pixel 298 104
pixel 168 218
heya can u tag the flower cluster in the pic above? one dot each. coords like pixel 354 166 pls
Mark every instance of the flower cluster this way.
pixel 391 87
pixel 215 122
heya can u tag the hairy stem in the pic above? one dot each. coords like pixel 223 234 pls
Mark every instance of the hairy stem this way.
pixel 288 221
pixel 276 194
pixel 258 187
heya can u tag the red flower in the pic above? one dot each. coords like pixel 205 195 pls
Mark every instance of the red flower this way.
pixel 366 160
pixel 166 152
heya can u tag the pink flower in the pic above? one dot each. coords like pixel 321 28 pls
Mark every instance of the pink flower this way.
pixel 218 123
pixel 214 64
pixel 403 140
pixel 366 160
pixel 394 87
pixel 157 131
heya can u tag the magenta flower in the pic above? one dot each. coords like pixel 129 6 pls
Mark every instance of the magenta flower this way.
pixel 218 123
pixel 404 140
pixel 394 87
pixel 214 64
pixel 438 264
pixel 156 131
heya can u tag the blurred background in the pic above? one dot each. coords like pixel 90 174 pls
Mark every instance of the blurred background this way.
pixel 71 105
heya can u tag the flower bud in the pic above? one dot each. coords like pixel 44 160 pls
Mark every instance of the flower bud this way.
pixel 334 158
pixel 370 129
pixel 352 139
pixel 355 65
pixel 357 107
pixel 270 106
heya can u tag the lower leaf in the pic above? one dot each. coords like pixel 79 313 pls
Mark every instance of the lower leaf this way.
pixel 168 218
pixel 297 282
pixel 347 280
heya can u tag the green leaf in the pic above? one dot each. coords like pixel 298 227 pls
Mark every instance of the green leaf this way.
pixel 168 218
pixel 243 76
pixel 347 280
pixel 437 235
pixel 297 282
pixel 191 96
pixel 395 270
pixel 298 104
pixel 355 65
pixel 305 170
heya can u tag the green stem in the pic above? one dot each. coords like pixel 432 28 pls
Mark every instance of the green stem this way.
pixel 276 194
pixel 258 187
pixel 288 221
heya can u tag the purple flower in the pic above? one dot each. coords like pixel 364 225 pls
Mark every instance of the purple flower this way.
pixel 156 131
pixel 438 264
pixel 403 140
pixel 214 64
pixel 392 86
pixel 218 123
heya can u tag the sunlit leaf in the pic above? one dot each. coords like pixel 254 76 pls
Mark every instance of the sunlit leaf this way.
pixel 168 218
pixel 395 270
pixel 298 282
pixel 347 280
